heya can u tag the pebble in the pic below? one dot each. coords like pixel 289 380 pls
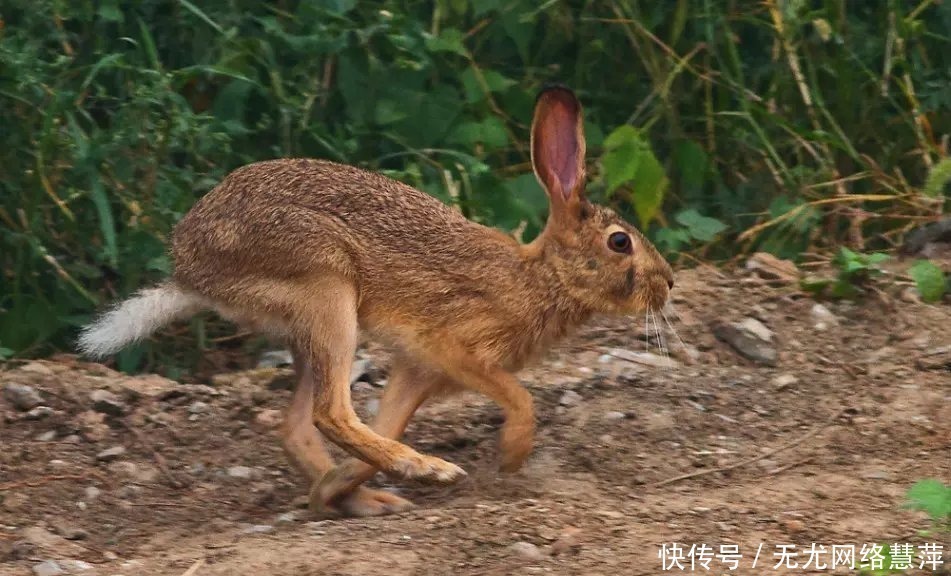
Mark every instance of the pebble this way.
pixel 750 338
pixel 784 381
pixel 47 436
pixel 527 550
pixel 71 532
pixel 823 317
pixel 287 518
pixel 74 566
pixel 108 403
pixel 614 416
pixel 198 407
pixel 92 493
pixel 275 359
pixel 240 472
pixel 259 529
pixel 569 538
pixel 39 413
pixel 570 398
pixel 110 454
pixel 48 568
pixel 268 419
pixel 21 396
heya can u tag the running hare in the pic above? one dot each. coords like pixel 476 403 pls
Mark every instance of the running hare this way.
pixel 314 251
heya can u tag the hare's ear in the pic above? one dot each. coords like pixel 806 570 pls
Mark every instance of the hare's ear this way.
pixel 558 147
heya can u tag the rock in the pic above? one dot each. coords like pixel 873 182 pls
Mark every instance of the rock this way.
pixel 47 436
pixel 93 425
pixel 259 529
pixel 614 416
pixel 106 402
pixel 750 338
pixel 569 538
pixel 275 359
pixel 70 532
pixel 21 396
pixel 645 358
pixel 240 472
pixel 359 370
pixel 75 566
pixel 822 317
pixel 39 413
pixel 142 473
pixel 784 381
pixel 110 454
pixel 570 398
pixel 527 550
pixel 198 407
pixel 769 267
pixel 51 544
pixel 268 419
pixel 129 492
pixel 287 518
pixel 152 386
pixel 48 568
pixel 373 406
pixel 92 493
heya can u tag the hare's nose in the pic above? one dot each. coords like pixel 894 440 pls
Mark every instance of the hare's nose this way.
pixel 670 283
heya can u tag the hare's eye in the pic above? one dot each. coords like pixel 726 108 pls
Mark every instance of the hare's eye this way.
pixel 620 242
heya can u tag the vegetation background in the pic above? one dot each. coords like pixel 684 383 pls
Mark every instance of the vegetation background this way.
pixel 721 126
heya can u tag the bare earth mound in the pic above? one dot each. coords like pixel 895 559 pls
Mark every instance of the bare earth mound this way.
pixel 103 474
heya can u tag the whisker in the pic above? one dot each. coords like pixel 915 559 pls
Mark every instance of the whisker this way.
pixel 673 330
pixel 661 341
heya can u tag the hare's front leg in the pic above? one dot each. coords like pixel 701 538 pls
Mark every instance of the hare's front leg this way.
pixel 306 450
pixel 410 384
pixel 330 341
pixel 518 431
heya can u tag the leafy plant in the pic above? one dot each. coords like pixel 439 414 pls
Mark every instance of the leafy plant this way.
pixel 930 280
pixel 854 270
pixel 933 497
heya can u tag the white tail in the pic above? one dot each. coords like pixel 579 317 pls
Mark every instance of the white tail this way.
pixel 136 318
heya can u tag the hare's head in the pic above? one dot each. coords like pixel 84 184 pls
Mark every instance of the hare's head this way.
pixel 602 261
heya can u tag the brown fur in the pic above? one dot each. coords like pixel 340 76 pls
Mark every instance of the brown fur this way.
pixel 317 251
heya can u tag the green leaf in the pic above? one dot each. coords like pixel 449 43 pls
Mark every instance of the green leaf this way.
pixel 650 184
pixel 691 167
pixel 702 228
pixel 930 280
pixel 938 179
pixel 932 496
pixel 449 40
pixel 107 223
pixel 489 132
pixel 494 82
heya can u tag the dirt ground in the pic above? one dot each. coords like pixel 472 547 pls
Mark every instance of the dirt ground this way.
pixel 161 478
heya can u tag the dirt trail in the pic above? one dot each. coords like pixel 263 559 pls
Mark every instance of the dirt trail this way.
pixel 855 410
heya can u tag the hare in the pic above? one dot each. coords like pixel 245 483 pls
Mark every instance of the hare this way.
pixel 314 251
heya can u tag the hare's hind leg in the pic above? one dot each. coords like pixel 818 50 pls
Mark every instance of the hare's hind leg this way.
pixel 307 451
pixel 330 342
pixel 410 384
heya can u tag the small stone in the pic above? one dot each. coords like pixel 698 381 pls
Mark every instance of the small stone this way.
pixel 613 514
pixel 259 529
pixel 71 532
pixel 110 454
pixel 373 406
pixel 198 407
pixel 645 358
pixel 150 386
pixel 268 419
pixel 129 492
pixel 48 568
pixel 92 493
pixel 614 416
pixel 750 338
pixel 527 550
pixel 47 436
pixel 275 359
pixel 14 501
pixel 570 398
pixel 74 566
pixel 21 396
pixel 359 370
pixel 108 403
pixel 823 317
pixel 287 518
pixel 784 381
pixel 569 539
pixel 769 267
pixel 39 413
pixel 240 472
pixel 196 469
pixel 793 525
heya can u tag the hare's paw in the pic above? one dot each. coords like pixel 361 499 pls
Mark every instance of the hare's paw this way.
pixel 427 468
pixel 515 445
pixel 361 503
